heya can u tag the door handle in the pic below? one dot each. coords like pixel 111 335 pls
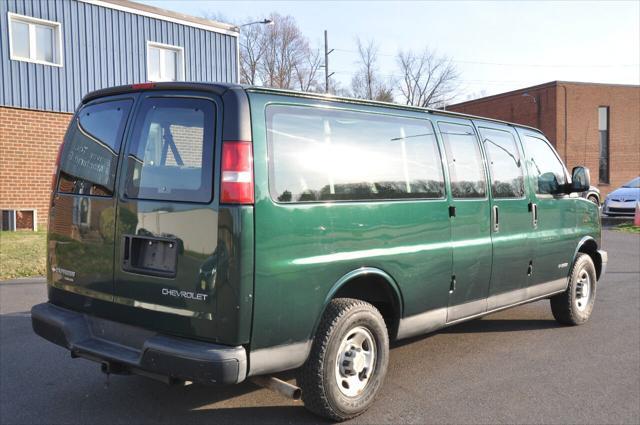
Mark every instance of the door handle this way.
pixel 534 215
pixel 496 219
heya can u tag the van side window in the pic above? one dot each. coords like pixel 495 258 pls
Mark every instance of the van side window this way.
pixel 171 152
pixel 331 155
pixel 90 155
pixel 507 180
pixel 464 159
pixel 544 166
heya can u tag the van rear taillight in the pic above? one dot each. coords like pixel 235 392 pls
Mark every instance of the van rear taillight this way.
pixel 237 173
pixel 54 176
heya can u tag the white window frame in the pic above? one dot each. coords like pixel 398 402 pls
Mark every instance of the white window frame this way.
pixel 32 22
pixel 180 65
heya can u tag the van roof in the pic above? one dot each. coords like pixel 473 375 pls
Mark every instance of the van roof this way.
pixel 324 96
pixel 220 88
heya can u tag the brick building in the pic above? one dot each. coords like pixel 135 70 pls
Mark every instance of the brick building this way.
pixel 54 52
pixel 595 125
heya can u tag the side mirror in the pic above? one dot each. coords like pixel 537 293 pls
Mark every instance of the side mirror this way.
pixel 580 179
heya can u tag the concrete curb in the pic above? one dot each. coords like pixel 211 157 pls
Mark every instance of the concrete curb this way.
pixel 24 281
pixel 614 221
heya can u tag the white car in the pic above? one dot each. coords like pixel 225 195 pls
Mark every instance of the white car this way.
pixel 622 201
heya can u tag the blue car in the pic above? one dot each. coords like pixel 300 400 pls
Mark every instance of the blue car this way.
pixel 622 201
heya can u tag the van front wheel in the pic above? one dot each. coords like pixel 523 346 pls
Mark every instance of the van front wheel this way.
pixel 348 360
pixel 574 306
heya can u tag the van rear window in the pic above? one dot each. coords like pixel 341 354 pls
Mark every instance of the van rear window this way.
pixel 171 152
pixel 319 154
pixel 90 155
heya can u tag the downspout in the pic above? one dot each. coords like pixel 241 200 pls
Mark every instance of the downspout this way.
pixel 238 74
pixel 565 123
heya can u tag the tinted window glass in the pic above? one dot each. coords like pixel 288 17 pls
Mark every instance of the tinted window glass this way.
pixel 504 163
pixel 171 153
pixel 327 155
pixel 90 155
pixel 603 129
pixel 464 159
pixel 544 166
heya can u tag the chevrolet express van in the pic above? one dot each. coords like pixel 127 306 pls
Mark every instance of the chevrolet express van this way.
pixel 215 233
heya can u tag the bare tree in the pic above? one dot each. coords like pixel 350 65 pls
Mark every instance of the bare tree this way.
pixel 278 55
pixel 216 16
pixel 426 80
pixel 283 49
pixel 366 82
pixel 251 53
pixel 339 90
pixel 307 71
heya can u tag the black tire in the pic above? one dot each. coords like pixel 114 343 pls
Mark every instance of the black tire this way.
pixel 593 199
pixel 567 307
pixel 317 378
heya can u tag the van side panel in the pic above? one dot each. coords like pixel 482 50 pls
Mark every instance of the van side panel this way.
pixel 303 249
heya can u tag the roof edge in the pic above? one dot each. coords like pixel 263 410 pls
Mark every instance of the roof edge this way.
pixel 166 15
pixel 537 87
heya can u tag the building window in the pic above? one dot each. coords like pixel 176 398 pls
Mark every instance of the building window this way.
pixel 35 40
pixel 603 127
pixel 164 62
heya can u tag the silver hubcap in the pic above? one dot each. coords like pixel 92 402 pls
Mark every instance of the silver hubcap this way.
pixel 583 290
pixel 355 361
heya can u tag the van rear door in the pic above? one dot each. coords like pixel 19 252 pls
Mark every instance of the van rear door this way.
pixel 167 225
pixel 82 214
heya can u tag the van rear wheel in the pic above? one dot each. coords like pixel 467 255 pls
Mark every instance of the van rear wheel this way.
pixel 574 306
pixel 348 360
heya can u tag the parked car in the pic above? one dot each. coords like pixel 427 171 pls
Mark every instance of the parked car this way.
pixel 622 201
pixel 229 233
pixel 592 194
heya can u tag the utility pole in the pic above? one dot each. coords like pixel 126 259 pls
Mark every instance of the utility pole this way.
pixel 326 63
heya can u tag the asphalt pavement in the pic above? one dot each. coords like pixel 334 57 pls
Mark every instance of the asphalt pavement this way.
pixel 517 366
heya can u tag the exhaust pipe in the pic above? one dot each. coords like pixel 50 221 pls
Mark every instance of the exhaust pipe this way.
pixel 279 386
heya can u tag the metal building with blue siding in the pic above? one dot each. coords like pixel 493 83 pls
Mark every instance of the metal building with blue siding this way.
pixel 54 52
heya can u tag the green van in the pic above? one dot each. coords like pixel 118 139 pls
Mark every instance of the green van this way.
pixel 216 233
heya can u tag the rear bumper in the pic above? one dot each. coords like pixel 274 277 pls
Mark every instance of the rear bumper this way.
pixel 123 348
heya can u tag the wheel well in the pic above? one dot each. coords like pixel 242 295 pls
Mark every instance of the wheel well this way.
pixel 590 248
pixel 377 291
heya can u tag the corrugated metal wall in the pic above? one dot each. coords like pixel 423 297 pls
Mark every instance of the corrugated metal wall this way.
pixel 102 47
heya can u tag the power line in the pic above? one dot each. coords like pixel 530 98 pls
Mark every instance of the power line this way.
pixel 523 65
pixel 503 82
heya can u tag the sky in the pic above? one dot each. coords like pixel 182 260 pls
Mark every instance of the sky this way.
pixel 496 46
